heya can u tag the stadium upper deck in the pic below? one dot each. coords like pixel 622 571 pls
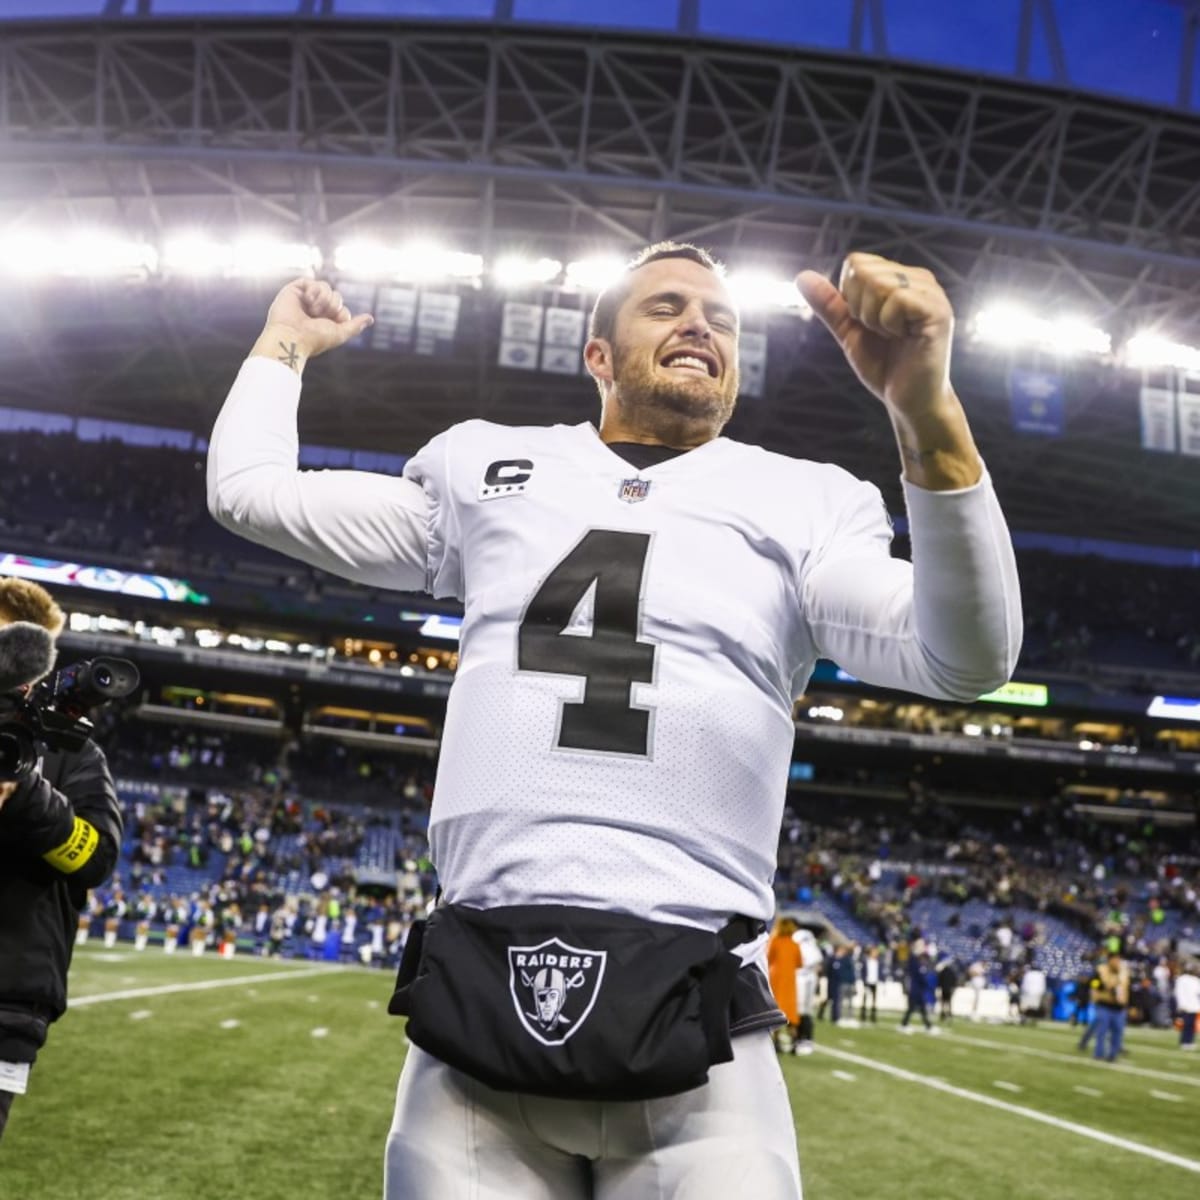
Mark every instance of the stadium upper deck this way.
pixel 1138 49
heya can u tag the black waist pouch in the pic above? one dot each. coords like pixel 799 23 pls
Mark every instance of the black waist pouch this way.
pixel 570 1002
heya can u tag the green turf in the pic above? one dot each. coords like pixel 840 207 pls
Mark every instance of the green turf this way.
pixel 172 1106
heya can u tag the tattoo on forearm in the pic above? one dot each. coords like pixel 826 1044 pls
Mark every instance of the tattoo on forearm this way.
pixel 290 356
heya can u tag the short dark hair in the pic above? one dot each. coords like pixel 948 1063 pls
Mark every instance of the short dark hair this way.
pixel 604 312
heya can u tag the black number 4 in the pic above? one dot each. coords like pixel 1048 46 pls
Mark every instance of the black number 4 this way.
pixel 612 658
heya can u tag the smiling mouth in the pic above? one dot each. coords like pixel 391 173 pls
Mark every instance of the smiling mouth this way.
pixel 689 364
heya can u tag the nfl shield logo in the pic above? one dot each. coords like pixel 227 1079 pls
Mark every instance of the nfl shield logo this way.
pixel 633 490
pixel 554 987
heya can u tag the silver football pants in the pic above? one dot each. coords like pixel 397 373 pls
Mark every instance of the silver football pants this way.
pixel 732 1139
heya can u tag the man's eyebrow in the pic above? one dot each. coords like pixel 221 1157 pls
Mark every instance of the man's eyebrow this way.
pixel 680 301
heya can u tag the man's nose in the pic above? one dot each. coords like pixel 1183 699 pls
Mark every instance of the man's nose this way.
pixel 694 322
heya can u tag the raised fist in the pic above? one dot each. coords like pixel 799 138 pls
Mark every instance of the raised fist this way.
pixel 307 317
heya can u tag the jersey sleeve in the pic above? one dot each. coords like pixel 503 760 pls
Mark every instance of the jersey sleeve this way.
pixel 363 526
pixel 429 469
pixel 946 625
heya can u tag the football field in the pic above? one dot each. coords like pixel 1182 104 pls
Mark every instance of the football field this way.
pixel 174 1078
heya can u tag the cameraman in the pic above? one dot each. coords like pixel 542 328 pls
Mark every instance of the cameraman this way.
pixel 60 834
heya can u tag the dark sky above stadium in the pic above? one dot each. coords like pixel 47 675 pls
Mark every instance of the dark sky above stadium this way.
pixel 1130 47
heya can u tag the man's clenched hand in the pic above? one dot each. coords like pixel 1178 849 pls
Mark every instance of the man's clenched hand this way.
pixel 306 318
pixel 895 325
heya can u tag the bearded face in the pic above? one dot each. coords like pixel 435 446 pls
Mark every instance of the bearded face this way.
pixel 674 347
pixel 675 384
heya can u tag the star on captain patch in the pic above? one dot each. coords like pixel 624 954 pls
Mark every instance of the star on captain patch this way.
pixel 633 490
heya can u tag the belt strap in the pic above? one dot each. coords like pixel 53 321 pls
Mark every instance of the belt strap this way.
pixel 739 930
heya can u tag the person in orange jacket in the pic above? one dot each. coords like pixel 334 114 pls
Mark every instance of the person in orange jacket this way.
pixel 783 961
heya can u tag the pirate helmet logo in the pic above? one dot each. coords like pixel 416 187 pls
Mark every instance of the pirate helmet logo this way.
pixel 554 987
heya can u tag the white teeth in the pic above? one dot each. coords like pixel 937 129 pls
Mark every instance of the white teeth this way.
pixel 687 360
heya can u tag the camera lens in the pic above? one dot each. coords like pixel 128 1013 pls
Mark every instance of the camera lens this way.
pixel 102 677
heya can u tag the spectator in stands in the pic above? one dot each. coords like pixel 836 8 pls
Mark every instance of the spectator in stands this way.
pixel 1187 1003
pixel 1112 1000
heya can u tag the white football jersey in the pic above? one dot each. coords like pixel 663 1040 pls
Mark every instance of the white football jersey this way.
pixel 619 730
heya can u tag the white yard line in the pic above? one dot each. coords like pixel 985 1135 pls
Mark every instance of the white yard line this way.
pixel 846 1075
pixel 1005 1086
pixel 1078 1058
pixel 204 985
pixel 1019 1110
pixel 1087 1091
pixel 1166 1096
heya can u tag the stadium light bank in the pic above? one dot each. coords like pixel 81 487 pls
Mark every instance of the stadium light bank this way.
pixel 193 254
pixel 33 255
pixel 1010 325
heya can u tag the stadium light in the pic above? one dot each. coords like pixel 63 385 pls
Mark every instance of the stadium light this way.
pixel 365 259
pixel 594 274
pixel 257 255
pixel 100 254
pixel 87 254
pixel 828 712
pixel 27 254
pixel 514 270
pixel 757 290
pixel 1014 326
pixel 425 261
pixel 415 262
pixel 1148 350
pixel 197 254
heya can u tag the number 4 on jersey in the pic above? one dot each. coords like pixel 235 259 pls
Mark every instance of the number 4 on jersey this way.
pixel 612 658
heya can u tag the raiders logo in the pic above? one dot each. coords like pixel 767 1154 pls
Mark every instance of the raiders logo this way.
pixel 554 987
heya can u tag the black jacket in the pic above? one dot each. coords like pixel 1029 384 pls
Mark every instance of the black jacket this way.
pixel 60 834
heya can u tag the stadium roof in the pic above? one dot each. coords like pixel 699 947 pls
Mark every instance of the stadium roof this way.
pixel 1138 49
pixel 563 143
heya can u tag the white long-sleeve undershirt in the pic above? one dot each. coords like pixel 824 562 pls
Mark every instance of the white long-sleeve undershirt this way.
pixel 949 623
pixel 361 525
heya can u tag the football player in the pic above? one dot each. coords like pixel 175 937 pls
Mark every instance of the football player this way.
pixel 643 600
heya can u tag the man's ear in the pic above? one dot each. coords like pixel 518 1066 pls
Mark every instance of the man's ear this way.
pixel 597 356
